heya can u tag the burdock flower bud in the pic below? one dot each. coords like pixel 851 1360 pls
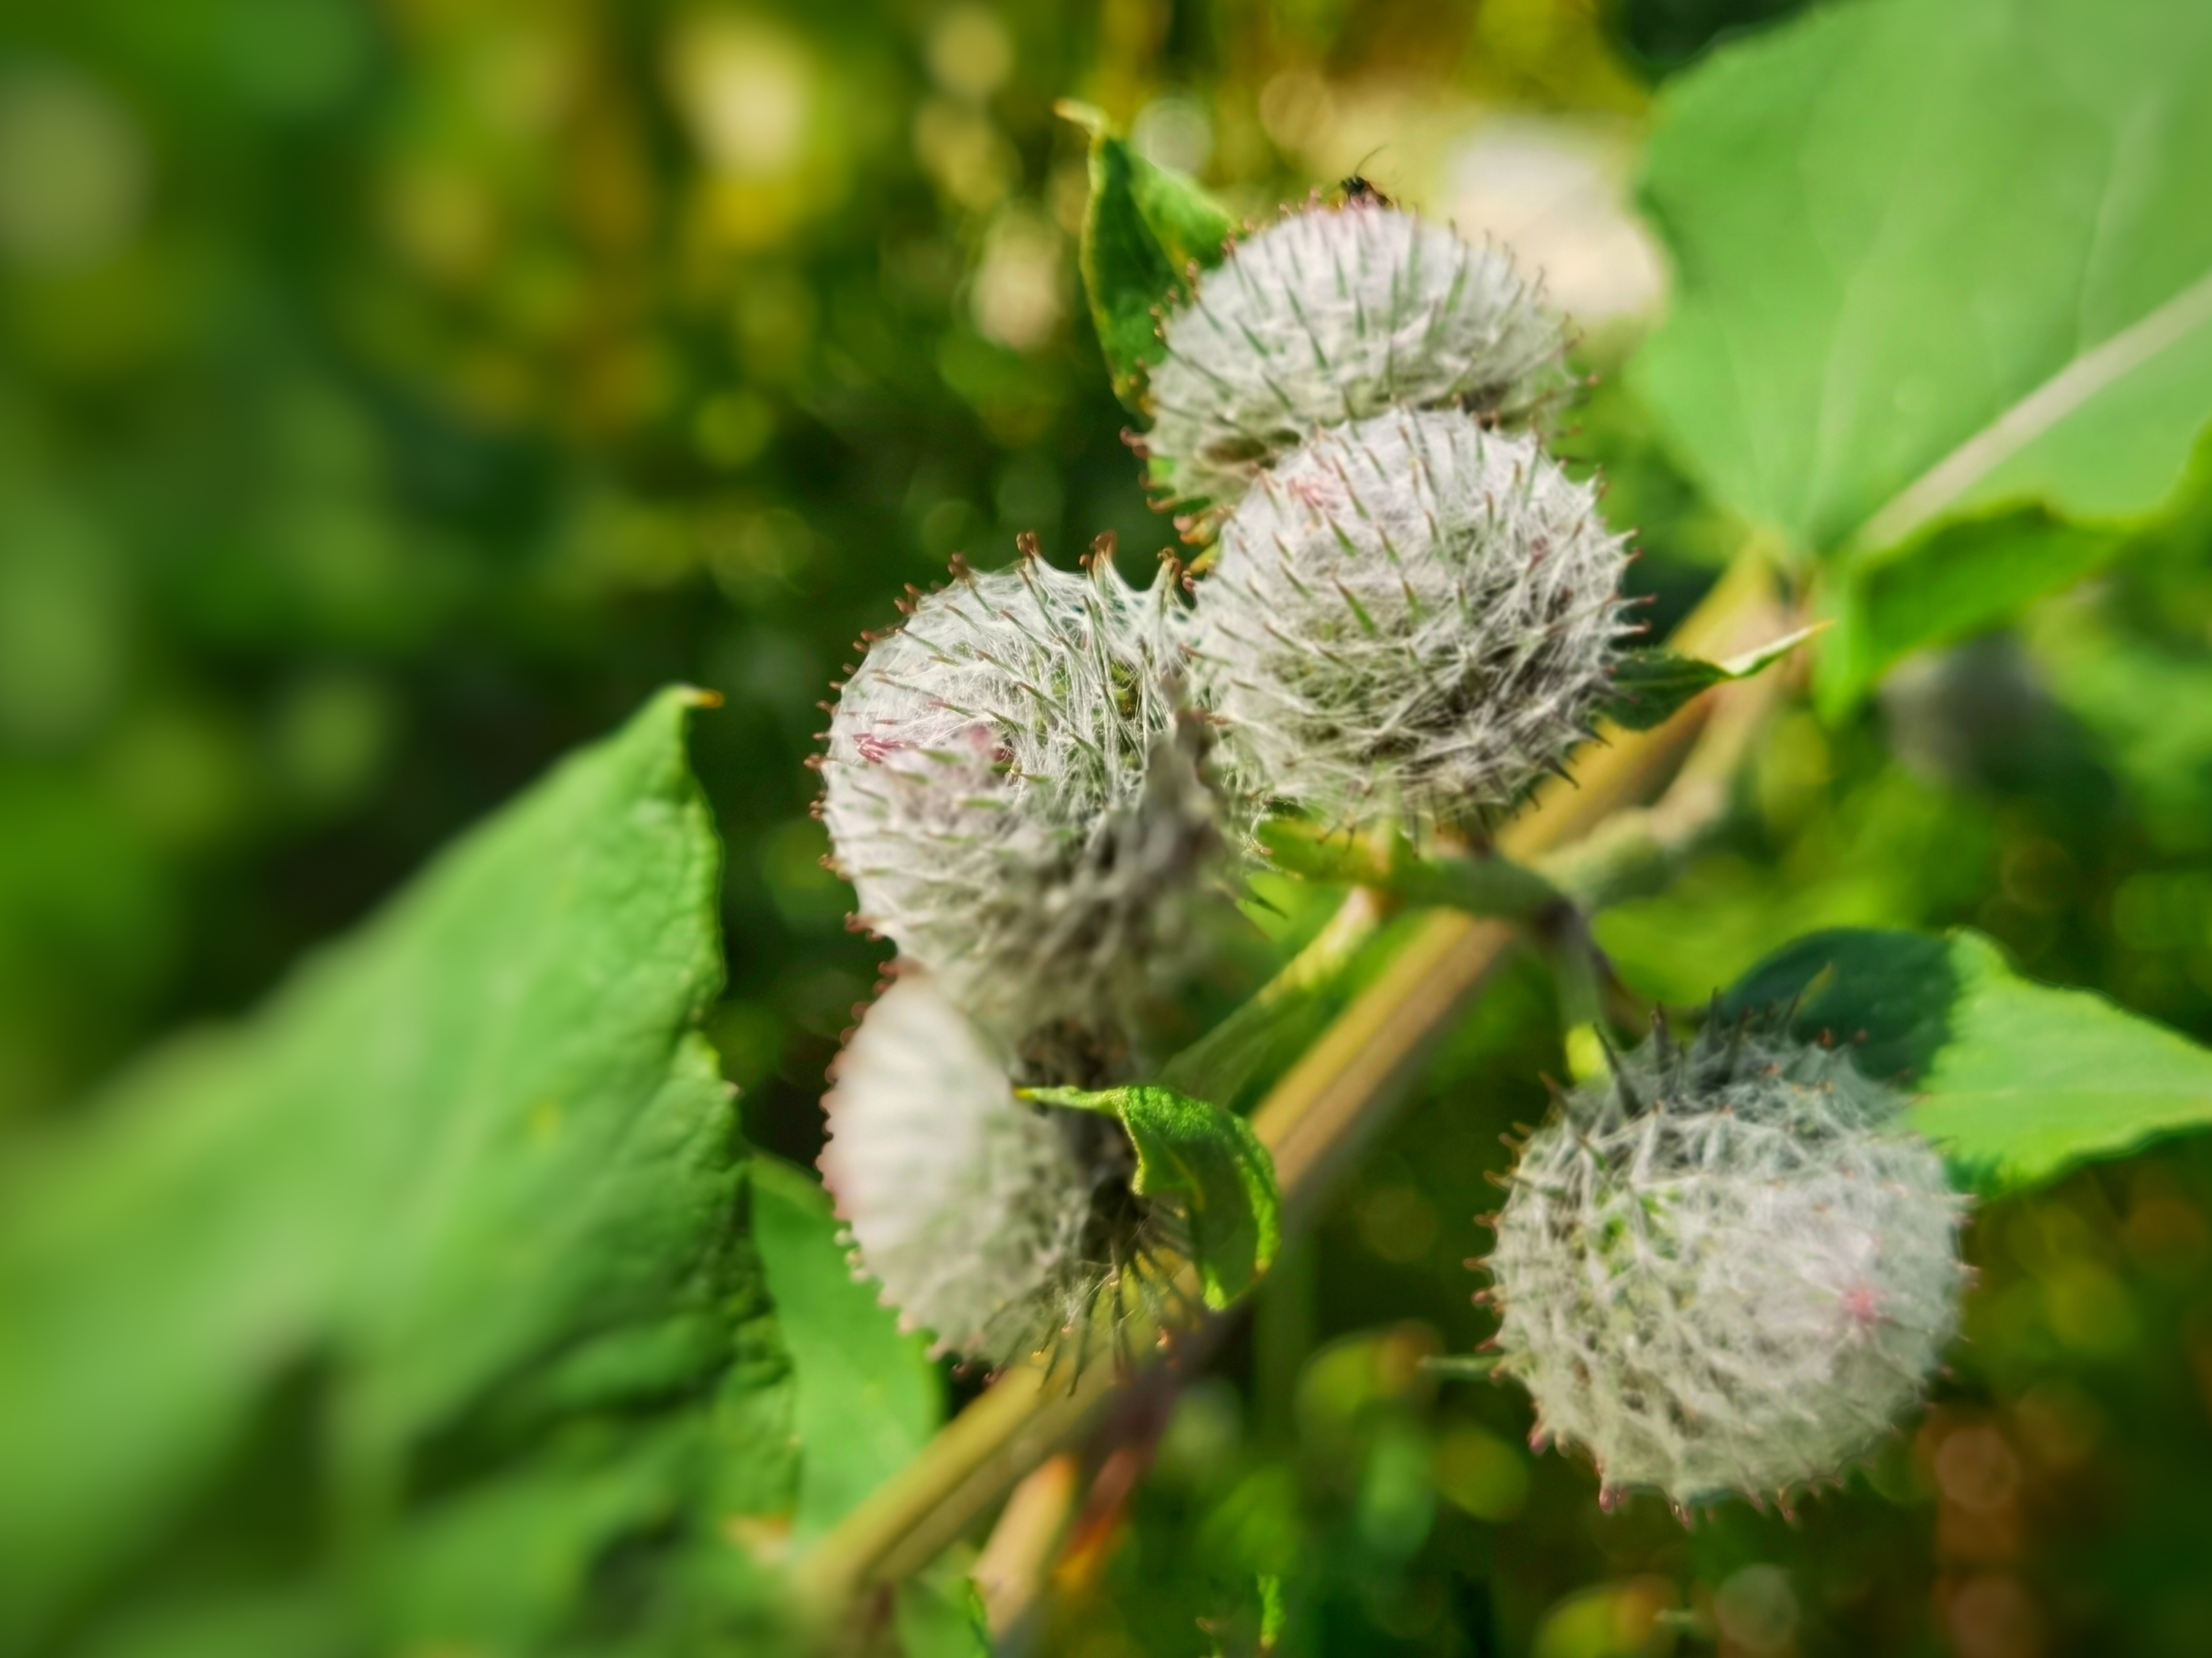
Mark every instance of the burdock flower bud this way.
pixel 1331 315
pixel 1727 1267
pixel 994 1224
pixel 1411 614
pixel 1012 788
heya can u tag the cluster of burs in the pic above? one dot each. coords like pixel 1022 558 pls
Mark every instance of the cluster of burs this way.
pixel 1409 613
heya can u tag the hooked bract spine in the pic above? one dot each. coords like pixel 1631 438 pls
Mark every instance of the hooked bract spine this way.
pixel 1412 610
pixel 1727 1266
pixel 1410 615
pixel 1329 315
pixel 999 1225
pixel 1013 791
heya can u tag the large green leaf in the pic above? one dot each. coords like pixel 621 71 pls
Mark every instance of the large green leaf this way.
pixel 1978 571
pixel 2016 1081
pixel 1972 575
pixel 1940 259
pixel 2135 671
pixel 1143 231
pixel 1210 1164
pixel 865 1396
pixel 426 1292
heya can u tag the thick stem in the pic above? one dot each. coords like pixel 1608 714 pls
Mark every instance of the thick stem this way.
pixel 1637 853
pixel 1330 1104
pixel 1010 1573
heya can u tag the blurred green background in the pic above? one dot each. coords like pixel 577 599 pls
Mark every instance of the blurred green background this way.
pixel 393 395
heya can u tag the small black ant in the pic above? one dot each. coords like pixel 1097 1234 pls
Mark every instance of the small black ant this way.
pixel 1359 189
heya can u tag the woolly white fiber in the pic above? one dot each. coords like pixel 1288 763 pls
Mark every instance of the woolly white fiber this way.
pixel 1727 1268
pixel 971 1207
pixel 1331 315
pixel 1010 791
pixel 1409 614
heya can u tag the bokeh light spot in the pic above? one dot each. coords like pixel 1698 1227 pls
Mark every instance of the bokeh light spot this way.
pixel 75 175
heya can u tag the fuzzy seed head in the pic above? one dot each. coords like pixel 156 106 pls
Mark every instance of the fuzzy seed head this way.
pixel 1013 793
pixel 990 1221
pixel 1331 315
pixel 1727 1268
pixel 1409 614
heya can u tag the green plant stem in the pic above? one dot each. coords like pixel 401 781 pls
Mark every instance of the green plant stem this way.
pixel 1638 851
pixel 1328 1106
pixel 1011 1571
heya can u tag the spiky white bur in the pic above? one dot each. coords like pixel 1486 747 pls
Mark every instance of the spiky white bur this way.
pixel 1330 315
pixel 1409 614
pixel 1727 1268
pixel 1011 793
pixel 992 1222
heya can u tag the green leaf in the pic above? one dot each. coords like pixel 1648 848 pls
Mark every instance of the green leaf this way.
pixel 2130 666
pixel 2016 1081
pixel 442 1253
pixel 1210 1163
pixel 1274 1619
pixel 1940 261
pixel 1650 686
pixel 865 1396
pixel 1973 573
pixel 1488 885
pixel 939 1613
pixel 1143 229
